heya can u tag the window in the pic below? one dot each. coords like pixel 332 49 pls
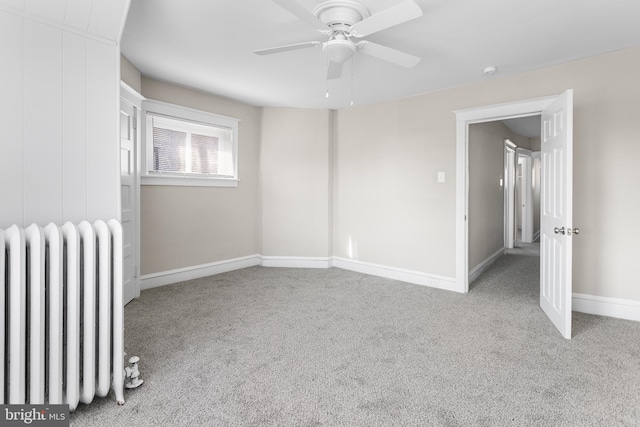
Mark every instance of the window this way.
pixel 189 147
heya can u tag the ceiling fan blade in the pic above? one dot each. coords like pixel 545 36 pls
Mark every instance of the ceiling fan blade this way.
pixel 398 14
pixel 295 8
pixel 334 71
pixel 389 54
pixel 286 48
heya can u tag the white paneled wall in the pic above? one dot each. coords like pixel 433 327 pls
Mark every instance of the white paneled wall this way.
pixel 11 209
pixel 74 127
pixel 59 80
pixel 41 123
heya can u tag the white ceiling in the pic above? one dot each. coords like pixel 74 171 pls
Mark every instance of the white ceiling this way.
pixel 209 44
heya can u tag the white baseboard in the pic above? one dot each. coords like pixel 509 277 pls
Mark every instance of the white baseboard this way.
pixel 162 278
pixel 484 265
pixel 409 276
pixel 602 306
pixel 181 274
pixel 296 262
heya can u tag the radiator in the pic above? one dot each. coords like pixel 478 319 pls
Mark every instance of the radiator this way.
pixel 62 313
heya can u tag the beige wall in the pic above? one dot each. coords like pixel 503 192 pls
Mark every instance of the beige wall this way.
pixel 381 162
pixel 387 198
pixel 295 169
pixel 188 226
pixel 130 74
pixel 390 210
pixel 535 144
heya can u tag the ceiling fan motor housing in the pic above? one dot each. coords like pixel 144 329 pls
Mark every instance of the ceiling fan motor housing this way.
pixel 340 15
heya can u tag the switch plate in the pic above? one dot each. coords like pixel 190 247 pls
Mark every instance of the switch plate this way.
pixel 440 177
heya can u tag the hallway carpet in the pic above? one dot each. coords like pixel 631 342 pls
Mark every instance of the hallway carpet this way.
pixel 297 347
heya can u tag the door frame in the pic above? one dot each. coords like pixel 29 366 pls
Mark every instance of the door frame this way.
pixel 526 194
pixel 509 193
pixel 464 118
pixel 130 95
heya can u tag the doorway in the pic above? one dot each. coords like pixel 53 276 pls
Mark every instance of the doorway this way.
pixel 522 181
pixel 522 202
pixel 500 189
pixel 555 193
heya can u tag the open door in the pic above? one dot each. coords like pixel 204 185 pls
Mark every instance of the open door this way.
pixel 525 210
pixel 129 204
pixel 557 212
pixel 509 194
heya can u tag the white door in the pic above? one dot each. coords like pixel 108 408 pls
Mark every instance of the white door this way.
pixel 525 161
pixel 509 195
pixel 557 212
pixel 128 191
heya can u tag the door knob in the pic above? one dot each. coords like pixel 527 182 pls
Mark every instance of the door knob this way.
pixel 559 230
pixel 574 231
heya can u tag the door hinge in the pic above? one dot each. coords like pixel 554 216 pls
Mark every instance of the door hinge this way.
pixel 135 271
pixel 135 121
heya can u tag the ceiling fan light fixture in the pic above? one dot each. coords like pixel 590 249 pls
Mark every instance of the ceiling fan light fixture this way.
pixel 339 50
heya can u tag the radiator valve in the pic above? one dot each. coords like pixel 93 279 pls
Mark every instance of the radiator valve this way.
pixel 133 373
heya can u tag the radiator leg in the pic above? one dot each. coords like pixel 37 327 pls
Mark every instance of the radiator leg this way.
pixel 133 373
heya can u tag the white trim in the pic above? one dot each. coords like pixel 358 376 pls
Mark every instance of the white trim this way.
pixel 194 272
pixel 178 111
pixel 509 194
pixel 603 306
pixel 296 262
pixel 131 95
pixel 187 273
pixel 484 265
pixel 464 118
pixel 409 276
pixel 511 110
pixel 526 194
pixel 63 27
pixel 188 181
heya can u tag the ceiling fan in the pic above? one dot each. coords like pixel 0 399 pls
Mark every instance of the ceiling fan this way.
pixel 342 20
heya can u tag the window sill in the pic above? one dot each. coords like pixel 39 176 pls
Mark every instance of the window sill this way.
pixel 189 182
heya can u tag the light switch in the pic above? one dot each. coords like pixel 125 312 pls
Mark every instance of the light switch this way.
pixel 440 176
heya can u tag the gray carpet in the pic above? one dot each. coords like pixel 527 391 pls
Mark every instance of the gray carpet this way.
pixel 522 248
pixel 296 347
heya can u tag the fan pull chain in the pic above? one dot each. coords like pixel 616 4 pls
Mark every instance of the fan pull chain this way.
pixel 352 62
pixel 326 95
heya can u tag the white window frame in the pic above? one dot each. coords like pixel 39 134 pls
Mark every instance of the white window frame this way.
pixel 176 112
